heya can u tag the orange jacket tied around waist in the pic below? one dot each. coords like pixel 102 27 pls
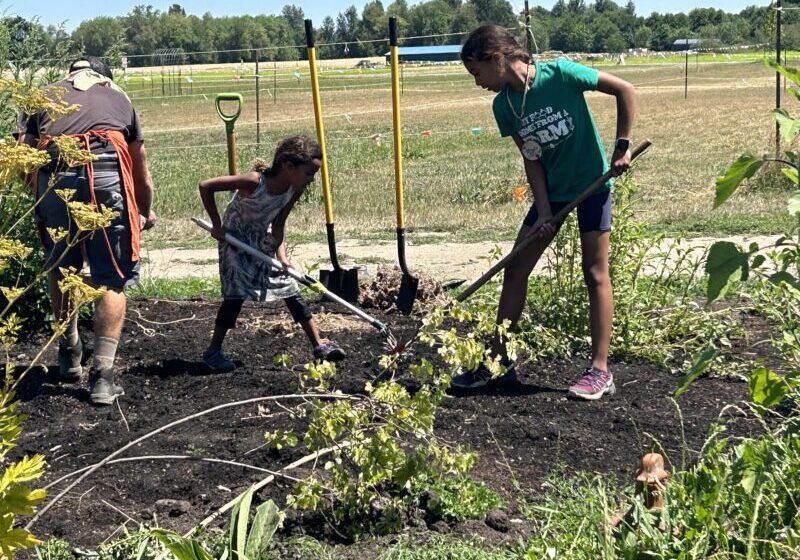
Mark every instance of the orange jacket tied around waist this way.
pixel 126 177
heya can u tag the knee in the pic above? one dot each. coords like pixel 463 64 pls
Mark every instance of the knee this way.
pixel 228 313
pixel 596 276
pixel 299 309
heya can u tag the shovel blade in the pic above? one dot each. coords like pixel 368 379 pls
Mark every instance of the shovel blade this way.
pixel 407 294
pixel 343 283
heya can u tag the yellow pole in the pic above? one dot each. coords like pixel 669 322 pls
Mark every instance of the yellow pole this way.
pixel 398 143
pixel 326 185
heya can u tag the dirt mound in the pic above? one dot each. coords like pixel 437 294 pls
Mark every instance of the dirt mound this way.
pixel 381 291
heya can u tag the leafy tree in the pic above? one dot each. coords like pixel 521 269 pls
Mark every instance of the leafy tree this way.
pixel 398 9
pixel 700 17
pixel 576 6
pixel 630 7
pixel 326 33
pixel 373 26
pixel 140 30
pixel 465 19
pixel 431 18
pixel 494 11
pixel 604 29
pixel 347 32
pixel 642 37
pixel 296 19
pixel 661 36
pixel 176 10
pixel 602 6
pixel 572 35
pixel 146 29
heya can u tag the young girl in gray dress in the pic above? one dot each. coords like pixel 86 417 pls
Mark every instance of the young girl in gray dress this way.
pixel 257 215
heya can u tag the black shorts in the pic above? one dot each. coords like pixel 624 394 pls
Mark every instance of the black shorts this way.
pixel 594 213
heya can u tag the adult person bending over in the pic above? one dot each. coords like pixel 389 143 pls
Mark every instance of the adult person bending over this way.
pixel 119 179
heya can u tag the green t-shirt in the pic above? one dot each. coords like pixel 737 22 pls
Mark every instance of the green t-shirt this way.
pixel 557 126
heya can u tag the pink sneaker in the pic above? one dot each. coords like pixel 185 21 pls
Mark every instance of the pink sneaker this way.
pixel 594 384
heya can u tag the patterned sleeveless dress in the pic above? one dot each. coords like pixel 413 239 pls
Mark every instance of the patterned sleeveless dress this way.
pixel 249 218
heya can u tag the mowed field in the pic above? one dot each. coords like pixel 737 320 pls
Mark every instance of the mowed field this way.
pixel 459 174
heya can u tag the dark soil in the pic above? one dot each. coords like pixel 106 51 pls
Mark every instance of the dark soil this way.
pixel 527 429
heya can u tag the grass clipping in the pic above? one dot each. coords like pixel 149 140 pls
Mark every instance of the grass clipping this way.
pixel 381 291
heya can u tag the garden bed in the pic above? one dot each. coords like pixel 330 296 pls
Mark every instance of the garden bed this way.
pixel 522 432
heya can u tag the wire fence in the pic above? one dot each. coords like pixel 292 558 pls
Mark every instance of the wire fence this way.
pixel 177 101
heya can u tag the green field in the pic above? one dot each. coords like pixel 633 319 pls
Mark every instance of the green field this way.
pixel 458 176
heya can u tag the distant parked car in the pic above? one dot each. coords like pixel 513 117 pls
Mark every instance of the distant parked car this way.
pixel 365 64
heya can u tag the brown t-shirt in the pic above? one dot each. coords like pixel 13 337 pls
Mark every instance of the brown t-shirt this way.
pixel 101 108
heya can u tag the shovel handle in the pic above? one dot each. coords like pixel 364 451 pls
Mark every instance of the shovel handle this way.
pixel 557 218
pixel 230 138
pixel 229 118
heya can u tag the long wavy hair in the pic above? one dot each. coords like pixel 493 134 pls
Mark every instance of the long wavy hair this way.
pixel 297 150
pixel 488 40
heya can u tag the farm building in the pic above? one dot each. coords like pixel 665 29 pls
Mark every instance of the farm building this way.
pixel 437 53
pixel 686 44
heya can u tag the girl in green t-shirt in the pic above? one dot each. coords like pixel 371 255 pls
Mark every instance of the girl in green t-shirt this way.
pixel 542 107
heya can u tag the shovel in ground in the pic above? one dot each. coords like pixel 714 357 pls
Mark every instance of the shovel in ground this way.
pixel 307 281
pixel 341 282
pixel 230 120
pixel 409 283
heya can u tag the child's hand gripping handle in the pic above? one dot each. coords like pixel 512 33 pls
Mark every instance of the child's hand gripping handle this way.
pixel 557 218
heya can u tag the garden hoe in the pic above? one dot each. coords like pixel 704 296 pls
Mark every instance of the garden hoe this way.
pixel 408 284
pixel 306 280
pixel 230 120
pixel 522 245
pixel 343 283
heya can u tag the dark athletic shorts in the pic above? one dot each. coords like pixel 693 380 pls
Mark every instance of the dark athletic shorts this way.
pixel 594 213
pixel 52 213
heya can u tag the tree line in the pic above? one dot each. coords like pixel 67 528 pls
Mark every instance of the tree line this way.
pixel 570 26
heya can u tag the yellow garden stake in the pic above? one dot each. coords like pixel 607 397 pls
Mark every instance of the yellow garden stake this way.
pixel 230 120
pixel 408 284
pixel 343 283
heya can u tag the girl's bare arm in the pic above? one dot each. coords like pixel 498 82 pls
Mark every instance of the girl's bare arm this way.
pixel 244 184
pixel 626 95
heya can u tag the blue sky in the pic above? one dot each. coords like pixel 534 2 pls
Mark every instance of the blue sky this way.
pixel 75 11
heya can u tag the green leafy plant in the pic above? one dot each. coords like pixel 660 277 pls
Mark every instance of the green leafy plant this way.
pixel 282 359
pixel 54 549
pixel 463 498
pixel 775 268
pixel 247 539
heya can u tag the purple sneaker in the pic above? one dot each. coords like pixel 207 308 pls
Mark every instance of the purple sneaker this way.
pixel 329 351
pixel 594 384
